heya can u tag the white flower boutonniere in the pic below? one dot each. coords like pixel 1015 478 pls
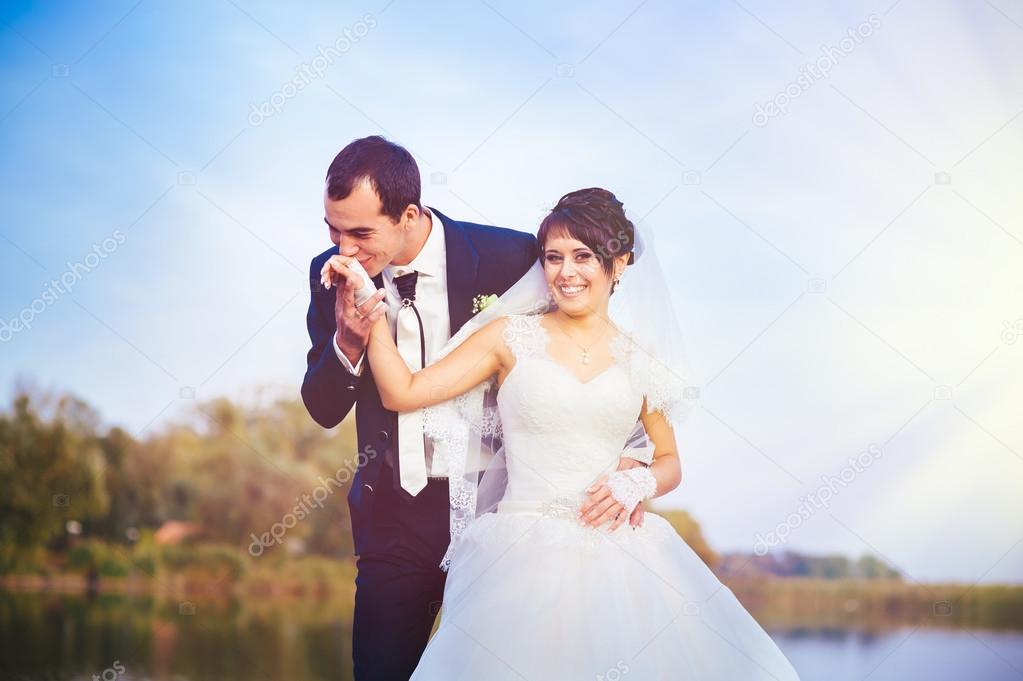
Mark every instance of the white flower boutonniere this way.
pixel 482 302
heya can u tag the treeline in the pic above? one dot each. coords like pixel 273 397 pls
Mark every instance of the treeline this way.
pixel 795 564
pixel 233 471
pixel 243 482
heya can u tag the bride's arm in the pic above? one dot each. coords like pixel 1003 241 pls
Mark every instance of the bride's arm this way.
pixel 601 505
pixel 666 467
pixel 476 359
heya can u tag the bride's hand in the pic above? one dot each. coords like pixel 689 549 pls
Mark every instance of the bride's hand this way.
pixel 601 507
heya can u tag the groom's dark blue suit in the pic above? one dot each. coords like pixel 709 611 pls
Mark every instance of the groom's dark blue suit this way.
pixel 400 539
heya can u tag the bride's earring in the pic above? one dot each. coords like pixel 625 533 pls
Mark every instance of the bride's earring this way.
pixel 614 284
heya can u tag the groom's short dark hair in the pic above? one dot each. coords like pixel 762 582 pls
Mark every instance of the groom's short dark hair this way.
pixel 390 169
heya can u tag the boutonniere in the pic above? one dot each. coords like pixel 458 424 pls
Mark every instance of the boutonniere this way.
pixel 482 302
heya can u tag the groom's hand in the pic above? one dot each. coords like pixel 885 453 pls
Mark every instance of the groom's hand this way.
pixel 354 322
pixel 600 507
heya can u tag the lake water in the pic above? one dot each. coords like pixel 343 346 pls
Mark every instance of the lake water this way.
pixel 117 638
pixel 906 655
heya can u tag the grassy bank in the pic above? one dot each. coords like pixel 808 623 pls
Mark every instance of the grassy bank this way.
pixel 869 605
pixel 204 572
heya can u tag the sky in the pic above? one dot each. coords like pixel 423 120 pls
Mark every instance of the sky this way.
pixel 834 190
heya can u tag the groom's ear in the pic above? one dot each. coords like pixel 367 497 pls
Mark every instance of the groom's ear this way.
pixel 409 216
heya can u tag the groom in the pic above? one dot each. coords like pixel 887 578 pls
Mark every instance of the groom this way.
pixel 399 496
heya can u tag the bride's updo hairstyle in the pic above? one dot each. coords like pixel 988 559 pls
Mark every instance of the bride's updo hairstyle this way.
pixel 595 217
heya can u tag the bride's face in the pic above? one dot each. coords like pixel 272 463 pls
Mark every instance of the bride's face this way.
pixel 575 275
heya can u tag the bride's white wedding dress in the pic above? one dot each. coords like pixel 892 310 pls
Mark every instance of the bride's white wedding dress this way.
pixel 532 594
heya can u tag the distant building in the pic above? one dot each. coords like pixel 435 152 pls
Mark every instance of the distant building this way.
pixel 176 532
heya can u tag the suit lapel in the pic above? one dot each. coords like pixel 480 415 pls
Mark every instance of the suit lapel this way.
pixel 463 265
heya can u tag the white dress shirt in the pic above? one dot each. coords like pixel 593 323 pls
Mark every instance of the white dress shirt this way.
pixel 431 301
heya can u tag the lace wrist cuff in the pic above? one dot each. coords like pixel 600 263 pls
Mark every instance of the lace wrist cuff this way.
pixel 632 486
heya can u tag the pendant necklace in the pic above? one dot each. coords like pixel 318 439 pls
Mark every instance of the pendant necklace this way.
pixel 585 348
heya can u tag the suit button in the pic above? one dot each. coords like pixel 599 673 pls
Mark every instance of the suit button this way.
pixel 350 387
pixel 383 435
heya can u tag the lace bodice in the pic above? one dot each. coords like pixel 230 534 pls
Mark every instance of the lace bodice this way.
pixel 560 434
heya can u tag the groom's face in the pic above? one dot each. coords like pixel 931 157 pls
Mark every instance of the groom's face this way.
pixel 360 229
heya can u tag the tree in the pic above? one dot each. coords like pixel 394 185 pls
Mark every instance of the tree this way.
pixel 51 472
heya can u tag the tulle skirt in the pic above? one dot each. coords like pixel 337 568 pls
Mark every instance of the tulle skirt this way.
pixel 537 597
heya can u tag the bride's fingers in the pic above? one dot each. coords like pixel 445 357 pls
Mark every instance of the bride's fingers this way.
pixel 335 269
pixel 636 519
pixel 325 270
pixel 329 278
pixel 608 515
pixel 337 262
pixel 599 510
pixel 595 498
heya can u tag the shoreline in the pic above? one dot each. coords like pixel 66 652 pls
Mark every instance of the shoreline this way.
pixel 787 603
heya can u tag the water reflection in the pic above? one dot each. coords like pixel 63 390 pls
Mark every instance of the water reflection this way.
pixel 46 636
pixel 905 654
pixel 124 638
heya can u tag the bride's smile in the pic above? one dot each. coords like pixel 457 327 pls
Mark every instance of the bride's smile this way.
pixel 575 275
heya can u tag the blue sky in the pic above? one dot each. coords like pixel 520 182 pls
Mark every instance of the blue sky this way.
pixel 838 290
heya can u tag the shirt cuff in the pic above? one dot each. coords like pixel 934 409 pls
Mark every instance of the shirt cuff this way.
pixel 357 369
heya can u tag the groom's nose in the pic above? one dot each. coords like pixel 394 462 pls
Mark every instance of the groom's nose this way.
pixel 347 247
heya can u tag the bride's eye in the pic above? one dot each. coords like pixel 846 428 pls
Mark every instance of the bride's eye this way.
pixel 552 258
pixel 583 257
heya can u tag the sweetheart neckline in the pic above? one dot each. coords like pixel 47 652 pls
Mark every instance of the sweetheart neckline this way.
pixel 566 370
pixel 572 374
pixel 542 354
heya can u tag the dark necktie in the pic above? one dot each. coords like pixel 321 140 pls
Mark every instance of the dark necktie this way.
pixel 406 284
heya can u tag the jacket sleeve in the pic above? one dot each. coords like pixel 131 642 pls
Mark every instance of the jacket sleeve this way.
pixel 328 390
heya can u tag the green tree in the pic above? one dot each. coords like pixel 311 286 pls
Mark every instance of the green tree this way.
pixel 51 472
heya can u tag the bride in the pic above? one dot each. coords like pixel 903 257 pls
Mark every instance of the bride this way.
pixel 536 589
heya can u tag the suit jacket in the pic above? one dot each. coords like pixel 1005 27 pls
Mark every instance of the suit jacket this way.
pixel 480 260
